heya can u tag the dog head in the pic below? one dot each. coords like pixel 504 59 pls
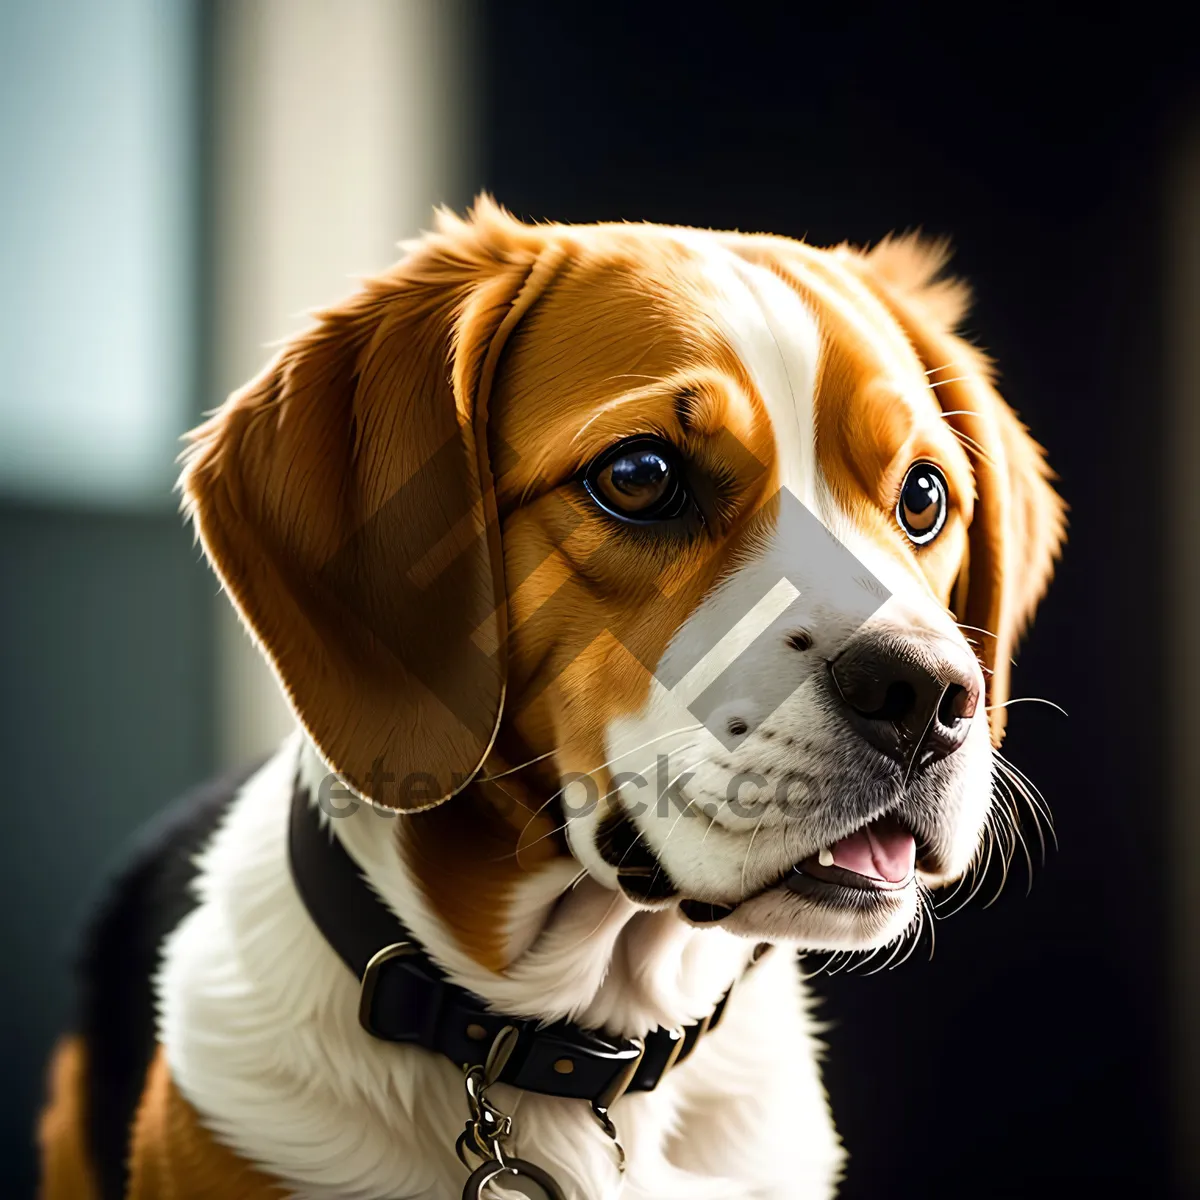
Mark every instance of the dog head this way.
pixel 700 557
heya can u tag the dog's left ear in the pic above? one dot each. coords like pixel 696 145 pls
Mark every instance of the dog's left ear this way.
pixel 1019 521
pixel 345 498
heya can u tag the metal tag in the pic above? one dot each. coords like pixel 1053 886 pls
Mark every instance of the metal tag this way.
pixel 516 1167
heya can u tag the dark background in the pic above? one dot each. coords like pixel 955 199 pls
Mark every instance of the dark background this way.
pixel 1030 1057
pixel 1031 1052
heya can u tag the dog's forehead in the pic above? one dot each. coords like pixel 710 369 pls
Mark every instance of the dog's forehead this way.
pixel 876 398
pixel 643 318
pixel 817 381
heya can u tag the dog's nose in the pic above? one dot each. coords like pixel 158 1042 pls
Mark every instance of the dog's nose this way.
pixel 911 700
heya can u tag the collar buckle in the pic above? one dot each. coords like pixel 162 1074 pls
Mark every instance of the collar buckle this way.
pixel 370 981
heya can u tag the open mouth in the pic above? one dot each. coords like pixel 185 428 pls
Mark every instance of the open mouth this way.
pixel 857 871
pixel 879 856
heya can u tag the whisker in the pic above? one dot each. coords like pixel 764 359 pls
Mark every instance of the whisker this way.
pixel 519 767
pixel 712 817
pixel 883 966
pixel 859 963
pixel 615 758
pixel 746 856
pixel 1016 824
pixel 529 845
pixel 823 969
pixel 988 633
pixel 915 940
pixel 1006 784
pixel 683 812
pixel 975 448
pixel 1030 700
pixel 886 964
pixel 658 870
pixel 982 665
pixel 967 440
pixel 520 849
pixel 617 897
pixel 849 963
pixel 941 902
pixel 610 406
pixel 1026 786
pixel 837 962
pixel 649 742
pixel 924 734
pixel 1009 837
pixel 926 898
pixel 979 869
pixel 1034 800
pixel 976 629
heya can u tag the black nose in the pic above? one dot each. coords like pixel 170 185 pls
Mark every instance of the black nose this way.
pixel 908 699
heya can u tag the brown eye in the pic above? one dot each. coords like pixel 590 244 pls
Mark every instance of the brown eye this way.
pixel 924 502
pixel 638 480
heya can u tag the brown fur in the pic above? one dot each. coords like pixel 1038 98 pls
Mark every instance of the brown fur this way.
pixel 66 1171
pixel 174 1157
pixel 321 491
pixel 897 384
pixel 527 351
pixel 510 356
pixel 1020 521
pixel 875 411
pixel 589 612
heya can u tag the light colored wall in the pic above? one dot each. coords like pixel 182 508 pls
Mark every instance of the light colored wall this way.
pixel 339 126
pixel 97 185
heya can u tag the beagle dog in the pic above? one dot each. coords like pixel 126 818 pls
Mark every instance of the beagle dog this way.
pixel 645 597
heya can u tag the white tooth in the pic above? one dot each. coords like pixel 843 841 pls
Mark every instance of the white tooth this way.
pixel 825 857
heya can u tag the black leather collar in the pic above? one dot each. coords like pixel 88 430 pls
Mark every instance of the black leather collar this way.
pixel 406 997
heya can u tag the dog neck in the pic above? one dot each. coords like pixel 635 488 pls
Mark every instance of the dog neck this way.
pixel 259 1022
pixel 574 949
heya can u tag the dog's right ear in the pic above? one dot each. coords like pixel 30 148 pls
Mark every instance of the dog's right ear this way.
pixel 345 499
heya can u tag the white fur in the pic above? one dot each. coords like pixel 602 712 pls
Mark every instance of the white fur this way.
pixel 728 841
pixel 775 335
pixel 258 1018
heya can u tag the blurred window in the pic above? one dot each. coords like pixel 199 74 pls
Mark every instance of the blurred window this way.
pixel 97 153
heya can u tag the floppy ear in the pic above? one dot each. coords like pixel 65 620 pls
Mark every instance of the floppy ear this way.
pixel 345 499
pixel 1019 520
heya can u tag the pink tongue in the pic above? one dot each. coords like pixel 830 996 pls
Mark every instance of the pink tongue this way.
pixel 881 850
